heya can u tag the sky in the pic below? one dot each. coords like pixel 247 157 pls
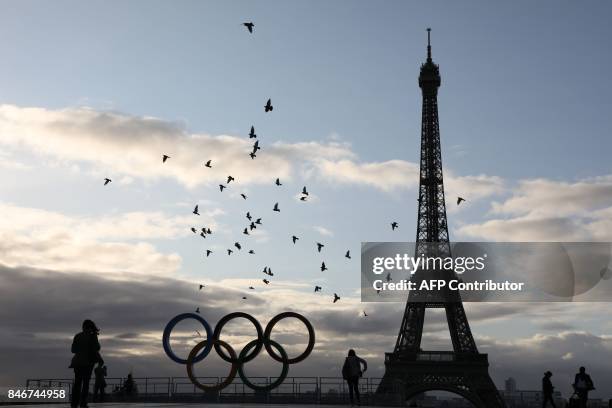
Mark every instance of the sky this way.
pixel 105 88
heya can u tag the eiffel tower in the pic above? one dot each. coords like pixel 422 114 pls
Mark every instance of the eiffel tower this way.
pixel 464 370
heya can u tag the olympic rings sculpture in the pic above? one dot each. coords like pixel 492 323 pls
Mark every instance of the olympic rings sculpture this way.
pixel 227 353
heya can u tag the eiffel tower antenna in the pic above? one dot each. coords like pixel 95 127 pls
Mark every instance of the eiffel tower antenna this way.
pixel 463 370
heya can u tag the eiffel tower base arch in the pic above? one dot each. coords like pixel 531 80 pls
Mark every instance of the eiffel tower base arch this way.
pixel 465 374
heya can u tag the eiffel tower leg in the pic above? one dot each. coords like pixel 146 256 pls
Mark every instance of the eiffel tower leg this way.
pixel 461 334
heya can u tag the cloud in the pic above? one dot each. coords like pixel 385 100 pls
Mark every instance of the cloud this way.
pixel 323 231
pixel 546 210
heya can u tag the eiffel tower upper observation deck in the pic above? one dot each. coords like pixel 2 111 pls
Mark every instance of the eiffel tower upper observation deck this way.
pixel 464 370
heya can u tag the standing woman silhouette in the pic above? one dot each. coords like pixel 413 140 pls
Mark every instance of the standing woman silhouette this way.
pixel 86 349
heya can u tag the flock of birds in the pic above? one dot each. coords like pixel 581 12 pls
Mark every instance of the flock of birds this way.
pixel 253 222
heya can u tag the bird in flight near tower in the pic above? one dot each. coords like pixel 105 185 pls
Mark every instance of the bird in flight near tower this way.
pixel 269 106
pixel 249 26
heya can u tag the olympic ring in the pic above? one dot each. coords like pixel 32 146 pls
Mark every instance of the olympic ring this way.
pixel 248 353
pixel 168 330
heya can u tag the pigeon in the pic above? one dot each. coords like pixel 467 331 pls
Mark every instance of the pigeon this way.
pixel 252 135
pixel 252 226
pixel 294 238
pixel 389 277
pixel 251 251
pixel 197 310
pixel 237 245
pixel 208 231
pixel 365 314
pixel 164 158
pixel 243 195
pixel 394 225
pixel 201 286
pixel 303 198
pixel 276 208
pixel 208 164
pixel 229 252
pixel 221 187
pixel 348 254
pixel 244 297
pixel 208 252
pixel 319 246
pixel 195 231
pixel 323 267
pixel 317 289
pixel 248 215
pixel 267 282
pixel 265 270
pixel 202 234
pixel 278 183
pixel 107 180
pixel 256 146
pixel 268 106
pixel 459 200
pixel 195 210
pixel 246 231
pixel 336 298
pixel 249 26
pixel 252 288
pixel 229 178
pixel 253 155
pixel 258 221
pixel 304 191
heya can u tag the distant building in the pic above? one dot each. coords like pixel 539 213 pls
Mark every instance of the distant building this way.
pixel 510 385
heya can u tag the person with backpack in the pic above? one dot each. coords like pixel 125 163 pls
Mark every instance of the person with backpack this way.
pixel 547 390
pixel 582 385
pixel 351 371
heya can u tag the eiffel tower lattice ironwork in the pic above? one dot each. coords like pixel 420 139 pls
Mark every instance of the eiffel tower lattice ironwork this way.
pixel 408 368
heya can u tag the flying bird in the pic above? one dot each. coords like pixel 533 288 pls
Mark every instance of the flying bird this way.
pixel 208 164
pixel 268 106
pixel 336 298
pixel 365 314
pixel 389 277
pixel 248 215
pixel 195 210
pixel 348 254
pixel 256 146
pixel 244 297
pixel 252 135
pixel 249 26
pixel 303 198
pixel 251 251
pixel 208 231
pixel 323 267
pixel 107 180
pixel 201 286
pixel 459 200
pixel 164 158
pixel 294 238
pixel 319 246
pixel 197 310
pixel 202 234
pixel 252 226
pixel 229 178
pixel 258 221
pixel 304 191
pixel 317 289
pixel 267 282
pixel 246 231
pixel 276 208
pixel 237 245
pixel 277 182
pixel 221 187
pixel 394 225
pixel 195 231
pixel 243 195
pixel 253 155
pixel 252 288
pixel 208 252
pixel 229 252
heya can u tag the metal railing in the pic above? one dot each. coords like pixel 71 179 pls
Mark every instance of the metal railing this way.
pixel 311 390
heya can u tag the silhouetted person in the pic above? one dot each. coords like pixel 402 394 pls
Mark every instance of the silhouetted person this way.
pixel 129 386
pixel 100 383
pixel 351 371
pixel 86 349
pixel 582 385
pixel 547 390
